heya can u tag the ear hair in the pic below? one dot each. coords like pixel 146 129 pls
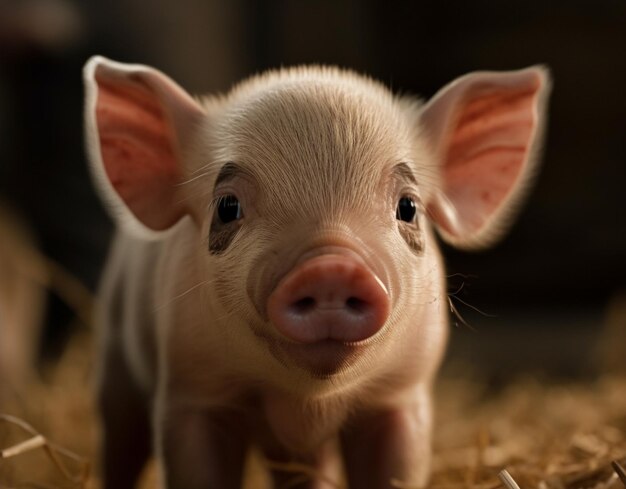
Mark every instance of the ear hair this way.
pixel 486 130
pixel 129 124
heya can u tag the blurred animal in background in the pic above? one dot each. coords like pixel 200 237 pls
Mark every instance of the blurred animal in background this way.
pixel 275 280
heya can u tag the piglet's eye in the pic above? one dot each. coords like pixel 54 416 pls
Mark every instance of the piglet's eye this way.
pixel 229 209
pixel 406 209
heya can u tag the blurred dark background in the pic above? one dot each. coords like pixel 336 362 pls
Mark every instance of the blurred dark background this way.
pixel 543 292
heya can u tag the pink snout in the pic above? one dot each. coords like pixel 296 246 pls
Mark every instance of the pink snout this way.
pixel 329 297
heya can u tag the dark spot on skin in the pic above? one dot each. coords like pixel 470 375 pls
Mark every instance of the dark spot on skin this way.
pixel 220 237
pixel 413 236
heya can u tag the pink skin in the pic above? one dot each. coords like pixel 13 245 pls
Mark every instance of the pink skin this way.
pixel 332 296
pixel 327 372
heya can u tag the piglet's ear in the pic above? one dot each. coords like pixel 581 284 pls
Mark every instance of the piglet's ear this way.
pixel 137 122
pixel 484 129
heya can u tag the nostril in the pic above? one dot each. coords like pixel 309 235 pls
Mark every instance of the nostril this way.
pixel 329 297
pixel 356 305
pixel 304 305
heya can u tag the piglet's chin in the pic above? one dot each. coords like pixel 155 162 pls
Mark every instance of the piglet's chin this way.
pixel 321 359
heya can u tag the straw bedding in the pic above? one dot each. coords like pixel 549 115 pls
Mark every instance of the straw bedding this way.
pixel 547 434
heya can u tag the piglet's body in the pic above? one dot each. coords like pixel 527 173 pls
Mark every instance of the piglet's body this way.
pixel 275 281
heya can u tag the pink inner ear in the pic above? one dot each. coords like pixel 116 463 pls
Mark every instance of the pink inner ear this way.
pixel 136 141
pixel 487 151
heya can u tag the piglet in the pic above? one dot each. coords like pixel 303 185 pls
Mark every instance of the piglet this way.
pixel 275 281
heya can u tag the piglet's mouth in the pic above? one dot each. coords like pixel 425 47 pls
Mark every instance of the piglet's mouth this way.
pixel 323 358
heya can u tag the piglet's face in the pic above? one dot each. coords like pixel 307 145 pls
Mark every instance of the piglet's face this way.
pixel 313 192
pixel 317 223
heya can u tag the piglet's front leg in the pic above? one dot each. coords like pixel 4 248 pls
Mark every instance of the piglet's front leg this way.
pixel 201 449
pixel 390 445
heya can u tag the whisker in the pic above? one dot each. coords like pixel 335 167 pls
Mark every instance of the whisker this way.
pixel 457 290
pixel 475 308
pixel 183 294
pixel 462 275
pixel 457 314
pixel 191 179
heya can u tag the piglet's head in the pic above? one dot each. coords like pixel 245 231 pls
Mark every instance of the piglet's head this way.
pixel 313 191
